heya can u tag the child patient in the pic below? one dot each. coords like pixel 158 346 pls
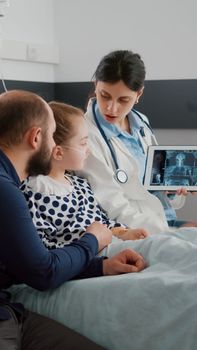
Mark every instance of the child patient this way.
pixel 62 205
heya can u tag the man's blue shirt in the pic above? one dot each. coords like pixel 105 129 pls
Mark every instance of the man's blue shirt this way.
pixel 23 257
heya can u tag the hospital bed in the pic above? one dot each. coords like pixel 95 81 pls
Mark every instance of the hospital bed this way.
pixel 155 309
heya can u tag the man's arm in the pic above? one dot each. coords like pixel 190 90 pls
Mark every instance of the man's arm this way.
pixel 28 261
pixel 23 253
pixel 126 261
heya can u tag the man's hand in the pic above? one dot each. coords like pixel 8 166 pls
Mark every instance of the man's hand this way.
pixel 126 261
pixel 101 232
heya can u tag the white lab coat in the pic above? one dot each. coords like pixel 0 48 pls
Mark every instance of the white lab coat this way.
pixel 129 203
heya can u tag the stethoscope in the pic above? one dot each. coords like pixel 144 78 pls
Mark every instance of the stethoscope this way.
pixel 120 175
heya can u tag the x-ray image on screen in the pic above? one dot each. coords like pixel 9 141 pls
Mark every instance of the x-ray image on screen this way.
pixel 174 168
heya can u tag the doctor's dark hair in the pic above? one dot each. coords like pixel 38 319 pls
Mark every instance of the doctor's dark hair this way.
pixel 19 111
pixel 122 65
pixel 64 115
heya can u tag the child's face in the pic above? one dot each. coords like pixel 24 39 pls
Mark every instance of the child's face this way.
pixel 76 150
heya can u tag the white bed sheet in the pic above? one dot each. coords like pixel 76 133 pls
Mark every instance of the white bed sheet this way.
pixel 155 309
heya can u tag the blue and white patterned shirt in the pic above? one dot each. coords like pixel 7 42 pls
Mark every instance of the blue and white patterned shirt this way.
pixel 61 213
pixel 131 141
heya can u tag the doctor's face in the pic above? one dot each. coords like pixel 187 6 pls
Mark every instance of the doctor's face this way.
pixel 115 100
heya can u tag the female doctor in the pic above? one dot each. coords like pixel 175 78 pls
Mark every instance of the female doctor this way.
pixel 119 137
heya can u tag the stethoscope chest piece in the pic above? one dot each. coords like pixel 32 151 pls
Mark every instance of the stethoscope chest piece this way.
pixel 121 176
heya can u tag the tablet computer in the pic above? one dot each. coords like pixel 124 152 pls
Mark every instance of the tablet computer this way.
pixel 171 167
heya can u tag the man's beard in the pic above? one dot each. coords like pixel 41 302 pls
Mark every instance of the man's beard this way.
pixel 40 162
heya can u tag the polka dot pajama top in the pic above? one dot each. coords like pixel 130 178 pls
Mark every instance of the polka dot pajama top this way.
pixel 60 212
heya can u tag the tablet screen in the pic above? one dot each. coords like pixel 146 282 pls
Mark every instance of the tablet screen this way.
pixel 171 167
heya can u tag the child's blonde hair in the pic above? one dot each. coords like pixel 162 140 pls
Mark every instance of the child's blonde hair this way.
pixel 64 114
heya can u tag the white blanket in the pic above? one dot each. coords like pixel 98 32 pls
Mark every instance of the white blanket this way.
pixel 155 309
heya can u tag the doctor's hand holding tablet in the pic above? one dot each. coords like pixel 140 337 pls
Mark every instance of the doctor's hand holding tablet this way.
pixel 172 169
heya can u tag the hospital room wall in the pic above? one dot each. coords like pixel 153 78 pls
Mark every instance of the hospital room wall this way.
pixel 27 26
pixel 162 32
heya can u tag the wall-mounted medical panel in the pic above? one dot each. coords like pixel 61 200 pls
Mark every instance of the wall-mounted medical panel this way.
pixel 32 52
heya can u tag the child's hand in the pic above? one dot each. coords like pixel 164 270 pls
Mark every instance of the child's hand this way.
pixel 101 232
pixel 129 234
pixel 132 234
